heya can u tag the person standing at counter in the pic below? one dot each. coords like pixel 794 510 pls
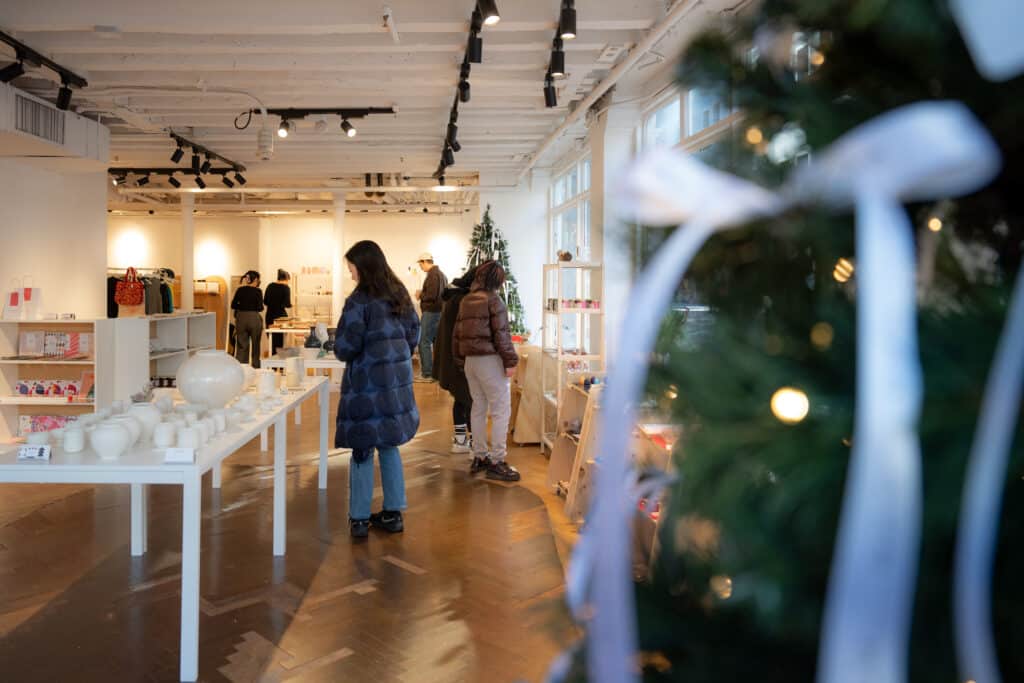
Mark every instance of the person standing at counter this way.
pixel 431 304
pixel 248 305
pixel 377 332
pixel 278 298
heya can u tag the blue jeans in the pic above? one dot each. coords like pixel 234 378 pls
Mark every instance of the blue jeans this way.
pixel 428 333
pixel 360 482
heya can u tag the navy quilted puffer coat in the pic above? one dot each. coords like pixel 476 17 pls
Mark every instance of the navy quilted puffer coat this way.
pixel 377 407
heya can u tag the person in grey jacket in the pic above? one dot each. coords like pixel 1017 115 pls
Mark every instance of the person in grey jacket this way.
pixel 431 304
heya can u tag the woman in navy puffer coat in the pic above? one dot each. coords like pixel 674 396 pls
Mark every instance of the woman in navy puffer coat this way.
pixel 377 410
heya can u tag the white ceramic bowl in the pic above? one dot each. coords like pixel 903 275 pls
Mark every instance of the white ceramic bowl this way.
pixel 110 439
pixel 74 439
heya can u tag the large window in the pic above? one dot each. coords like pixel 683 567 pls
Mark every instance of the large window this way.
pixel 570 212
pixel 661 127
pixel 704 108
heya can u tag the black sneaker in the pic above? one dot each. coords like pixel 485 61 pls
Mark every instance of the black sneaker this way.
pixel 478 465
pixel 502 470
pixel 359 528
pixel 388 520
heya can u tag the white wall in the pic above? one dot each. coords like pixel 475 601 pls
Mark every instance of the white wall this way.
pixel 53 227
pixel 223 246
pixel 522 216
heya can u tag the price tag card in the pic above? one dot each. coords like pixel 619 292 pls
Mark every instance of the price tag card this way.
pixel 34 453
pixel 180 455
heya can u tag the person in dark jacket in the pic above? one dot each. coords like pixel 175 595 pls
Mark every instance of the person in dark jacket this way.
pixel 450 376
pixel 482 344
pixel 277 299
pixel 430 303
pixel 248 305
pixel 377 410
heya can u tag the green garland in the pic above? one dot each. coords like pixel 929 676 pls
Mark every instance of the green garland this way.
pixel 737 590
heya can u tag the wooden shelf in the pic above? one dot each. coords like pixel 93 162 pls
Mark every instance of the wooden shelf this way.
pixel 575 438
pixel 47 362
pixel 572 265
pixel 193 349
pixel 80 321
pixel 44 401
pixel 166 354
pixel 568 357
pixel 578 389
pixel 584 311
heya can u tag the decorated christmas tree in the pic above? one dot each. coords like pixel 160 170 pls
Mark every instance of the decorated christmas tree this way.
pixel 487 244
pixel 737 589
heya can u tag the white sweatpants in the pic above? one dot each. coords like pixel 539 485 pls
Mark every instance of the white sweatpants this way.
pixel 489 388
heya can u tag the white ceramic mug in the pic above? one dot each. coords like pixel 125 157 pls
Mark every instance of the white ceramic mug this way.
pixel 267 382
pixel 74 439
pixel 188 438
pixel 220 421
pixel 163 435
pixel 202 431
pixel 37 438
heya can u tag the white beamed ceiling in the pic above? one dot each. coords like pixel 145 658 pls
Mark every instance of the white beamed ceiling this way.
pixel 150 75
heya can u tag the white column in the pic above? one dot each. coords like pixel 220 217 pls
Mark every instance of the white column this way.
pixel 324 404
pixel 339 269
pixel 612 144
pixel 139 523
pixel 280 481
pixel 188 256
pixel 191 526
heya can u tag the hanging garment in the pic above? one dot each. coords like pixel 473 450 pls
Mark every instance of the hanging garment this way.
pixel 111 292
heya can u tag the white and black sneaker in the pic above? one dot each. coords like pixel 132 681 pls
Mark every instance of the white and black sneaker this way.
pixel 462 444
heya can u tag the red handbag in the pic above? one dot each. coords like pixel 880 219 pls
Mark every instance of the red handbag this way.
pixel 130 291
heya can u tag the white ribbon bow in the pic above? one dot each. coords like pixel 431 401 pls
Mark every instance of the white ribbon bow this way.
pixel 921 151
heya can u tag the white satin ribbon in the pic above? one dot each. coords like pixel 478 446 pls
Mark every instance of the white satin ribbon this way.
pixel 992 30
pixel 982 498
pixel 917 152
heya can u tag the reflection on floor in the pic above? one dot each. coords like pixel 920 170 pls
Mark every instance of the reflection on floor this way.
pixel 472 591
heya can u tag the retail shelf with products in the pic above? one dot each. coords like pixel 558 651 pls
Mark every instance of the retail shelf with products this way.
pixel 63 401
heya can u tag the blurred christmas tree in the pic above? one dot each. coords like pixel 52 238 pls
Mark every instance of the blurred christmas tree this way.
pixel 737 589
pixel 488 243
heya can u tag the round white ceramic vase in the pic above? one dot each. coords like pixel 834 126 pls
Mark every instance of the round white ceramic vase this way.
pixel 110 439
pixel 210 377
pixel 131 424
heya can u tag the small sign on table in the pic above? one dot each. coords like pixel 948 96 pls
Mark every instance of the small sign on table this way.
pixel 180 455
pixel 34 453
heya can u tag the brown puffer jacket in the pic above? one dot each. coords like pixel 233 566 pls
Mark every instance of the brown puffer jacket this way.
pixel 482 329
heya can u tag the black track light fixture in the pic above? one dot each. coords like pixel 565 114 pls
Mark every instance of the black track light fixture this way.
pixel 12 71
pixel 550 96
pixel 239 178
pixel 449 156
pixel 174 182
pixel 567 20
pixel 348 128
pixel 475 49
pixel 489 12
pixel 118 180
pixel 452 133
pixel 64 97
pixel 196 166
pixel 557 65
pixel 227 181
pixel 285 128
pixel 177 155
pixel 464 92
pixel 144 180
pixel 200 183
pixel 205 168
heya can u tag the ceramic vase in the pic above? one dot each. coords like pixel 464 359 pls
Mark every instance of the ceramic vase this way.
pixel 267 382
pixel 295 372
pixel 210 377
pixel 148 416
pixel 130 424
pixel 110 439
pixel 163 434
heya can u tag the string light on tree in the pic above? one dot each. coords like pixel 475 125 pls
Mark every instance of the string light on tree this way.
pixel 790 406
pixel 822 335
pixel 935 224
pixel 754 135
pixel 843 270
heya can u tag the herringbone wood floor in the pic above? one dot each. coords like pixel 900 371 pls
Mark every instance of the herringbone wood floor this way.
pixel 472 591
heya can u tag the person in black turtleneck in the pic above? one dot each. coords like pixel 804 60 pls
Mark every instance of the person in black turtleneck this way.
pixel 277 298
pixel 247 305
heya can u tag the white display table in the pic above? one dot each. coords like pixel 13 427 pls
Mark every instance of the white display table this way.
pixel 142 465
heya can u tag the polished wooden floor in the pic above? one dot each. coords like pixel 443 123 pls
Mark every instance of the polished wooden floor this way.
pixel 472 591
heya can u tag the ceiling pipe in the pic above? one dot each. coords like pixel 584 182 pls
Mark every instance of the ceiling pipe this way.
pixel 675 15
pixel 369 189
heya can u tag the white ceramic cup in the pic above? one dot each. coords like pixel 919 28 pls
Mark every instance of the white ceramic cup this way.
pixel 163 435
pixel 188 438
pixel 220 421
pixel 191 419
pixel 74 439
pixel 37 438
pixel 267 382
pixel 202 432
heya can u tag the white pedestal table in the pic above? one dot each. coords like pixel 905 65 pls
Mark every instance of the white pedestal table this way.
pixel 143 465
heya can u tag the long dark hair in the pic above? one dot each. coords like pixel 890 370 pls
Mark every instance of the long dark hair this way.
pixel 376 277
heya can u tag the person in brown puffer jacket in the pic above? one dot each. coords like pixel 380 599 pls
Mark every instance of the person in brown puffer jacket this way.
pixel 482 344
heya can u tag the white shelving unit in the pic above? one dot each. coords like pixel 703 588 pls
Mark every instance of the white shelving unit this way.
pixel 572 343
pixel 121 360
pixel 313 296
